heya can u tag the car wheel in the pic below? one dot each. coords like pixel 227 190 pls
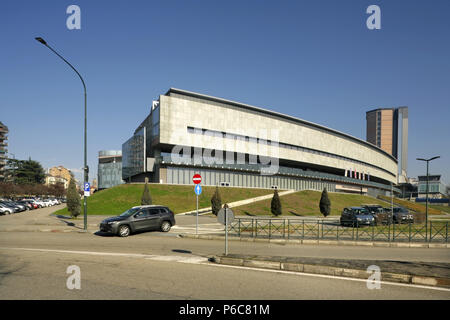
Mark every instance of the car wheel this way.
pixel 124 231
pixel 165 226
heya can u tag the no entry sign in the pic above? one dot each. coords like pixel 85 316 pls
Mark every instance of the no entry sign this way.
pixel 197 178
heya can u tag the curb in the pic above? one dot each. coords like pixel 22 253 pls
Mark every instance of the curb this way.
pixel 323 242
pixel 331 271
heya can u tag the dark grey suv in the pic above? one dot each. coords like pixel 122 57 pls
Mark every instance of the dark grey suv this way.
pixel 356 217
pixel 402 215
pixel 140 218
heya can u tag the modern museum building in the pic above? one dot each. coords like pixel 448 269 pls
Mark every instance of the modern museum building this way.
pixel 238 145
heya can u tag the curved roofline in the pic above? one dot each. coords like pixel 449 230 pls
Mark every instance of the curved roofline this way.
pixel 277 114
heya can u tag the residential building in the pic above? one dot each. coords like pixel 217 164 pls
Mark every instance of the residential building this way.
pixel 3 149
pixel 58 174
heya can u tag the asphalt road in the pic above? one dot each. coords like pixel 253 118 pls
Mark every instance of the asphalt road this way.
pixel 151 266
pixel 155 265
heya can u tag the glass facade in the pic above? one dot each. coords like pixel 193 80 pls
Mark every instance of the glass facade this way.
pixel 134 155
pixel 109 169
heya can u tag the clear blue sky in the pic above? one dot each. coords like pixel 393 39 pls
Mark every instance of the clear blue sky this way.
pixel 315 60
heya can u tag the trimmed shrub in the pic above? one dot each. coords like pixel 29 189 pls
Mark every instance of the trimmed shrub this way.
pixel 275 205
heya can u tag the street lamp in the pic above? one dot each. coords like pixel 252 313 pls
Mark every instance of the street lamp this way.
pixel 426 200
pixel 86 169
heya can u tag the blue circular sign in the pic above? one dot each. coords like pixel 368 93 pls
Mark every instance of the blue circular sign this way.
pixel 198 189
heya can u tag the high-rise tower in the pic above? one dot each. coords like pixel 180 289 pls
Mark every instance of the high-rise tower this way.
pixel 387 128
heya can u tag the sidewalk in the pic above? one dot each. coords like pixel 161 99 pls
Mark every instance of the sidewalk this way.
pixel 42 220
pixel 418 273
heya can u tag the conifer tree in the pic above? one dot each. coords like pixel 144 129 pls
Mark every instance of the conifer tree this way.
pixel 275 205
pixel 73 199
pixel 325 204
pixel 216 202
pixel 146 197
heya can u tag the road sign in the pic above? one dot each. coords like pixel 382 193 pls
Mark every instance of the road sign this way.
pixel 197 178
pixel 87 189
pixel 221 216
pixel 198 189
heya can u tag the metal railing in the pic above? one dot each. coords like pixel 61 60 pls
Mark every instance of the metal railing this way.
pixel 324 229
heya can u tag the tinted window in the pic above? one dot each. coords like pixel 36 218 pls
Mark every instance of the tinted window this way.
pixel 154 211
pixel 141 214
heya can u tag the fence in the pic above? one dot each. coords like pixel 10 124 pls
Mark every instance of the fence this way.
pixel 275 228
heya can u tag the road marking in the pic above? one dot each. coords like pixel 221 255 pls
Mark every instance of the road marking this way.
pixel 204 261
pixel 168 258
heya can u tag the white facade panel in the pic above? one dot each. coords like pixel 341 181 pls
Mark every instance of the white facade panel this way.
pixel 177 114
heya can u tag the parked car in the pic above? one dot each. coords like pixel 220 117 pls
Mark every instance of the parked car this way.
pixel 5 209
pixel 27 204
pixel 20 207
pixel 381 216
pixel 13 209
pixel 140 218
pixel 402 215
pixel 356 216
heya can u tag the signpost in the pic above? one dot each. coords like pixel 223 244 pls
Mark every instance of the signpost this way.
pixel 225 216
pixel 198 191
pixel 87 189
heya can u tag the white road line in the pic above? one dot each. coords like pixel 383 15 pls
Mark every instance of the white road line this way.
pixel 174 258
pixel 204 261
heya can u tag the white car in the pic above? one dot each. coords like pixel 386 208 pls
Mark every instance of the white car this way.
pixel 5 210
pixel 40 203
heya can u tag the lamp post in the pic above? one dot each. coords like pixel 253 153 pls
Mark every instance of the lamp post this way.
pixel 426 199
pixel 86 169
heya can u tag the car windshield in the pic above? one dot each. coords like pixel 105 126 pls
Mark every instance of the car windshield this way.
pixel 361 211
pixel 129 212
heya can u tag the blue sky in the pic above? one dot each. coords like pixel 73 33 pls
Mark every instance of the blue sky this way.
pixel 314 60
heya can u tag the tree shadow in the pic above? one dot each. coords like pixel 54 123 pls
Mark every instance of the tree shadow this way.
pixel 68 223
pixel 249 214
pixel 296 214
pixel 181 251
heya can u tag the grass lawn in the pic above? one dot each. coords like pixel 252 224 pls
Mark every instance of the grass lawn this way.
pixel 178 198
pixel 446 209
pixel 306 203
pixel 415 206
